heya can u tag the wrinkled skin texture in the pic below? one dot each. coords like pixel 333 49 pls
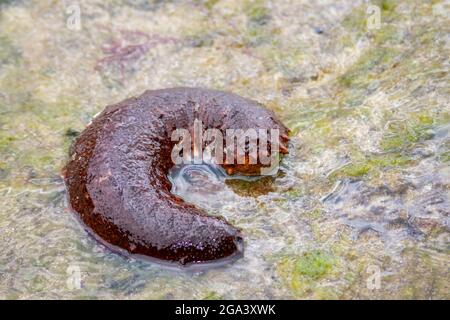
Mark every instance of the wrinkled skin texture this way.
pixel 117 174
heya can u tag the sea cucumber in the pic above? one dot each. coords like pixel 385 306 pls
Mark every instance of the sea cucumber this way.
pixel 117 174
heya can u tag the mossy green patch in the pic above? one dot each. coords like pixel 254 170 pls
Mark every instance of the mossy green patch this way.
pixel 295 192
pixel 314 264
pixel 6 141
pixel 255 188
pixel 425 119
pixel 314 214
pixel 257 12
pixel 36 160
pixel 209 4
pixel 323 126
pixel 373 164
pixel 424 276
pixel 403 134
pixel 368 67
pixel 258 16
pixel 41 123
pixel 302 274
pixel 389 34
pixel 356 21
pixel 356 170
pixel 255 36
pixel 444 157
pixel 212 295
pixel 388 5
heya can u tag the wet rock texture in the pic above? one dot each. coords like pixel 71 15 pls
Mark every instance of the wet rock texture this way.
pixel 359 208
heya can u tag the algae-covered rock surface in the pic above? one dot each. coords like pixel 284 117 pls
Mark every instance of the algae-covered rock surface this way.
pixel 360 207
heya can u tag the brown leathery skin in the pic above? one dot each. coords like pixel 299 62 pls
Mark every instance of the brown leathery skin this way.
pixel 117 174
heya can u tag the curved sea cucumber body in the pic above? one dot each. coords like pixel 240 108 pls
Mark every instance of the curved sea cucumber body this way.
pixel 117 174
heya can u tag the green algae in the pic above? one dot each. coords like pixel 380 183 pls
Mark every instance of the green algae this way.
pixel 404 134
pixel 257 12
pixel 388 35
pixel 314 214
pixel 356 21
pixel 423 276
pixel 356 170
pixel 387 5
pixel 445 157
pixel 324 86
pixel 368 67
pixel 209 4
pixel 212 296
pixel 314 264
pixel 303 274
pixel 6 142
pixel 374 164
pixel 252 188
pixel 27 145
pixel 258 16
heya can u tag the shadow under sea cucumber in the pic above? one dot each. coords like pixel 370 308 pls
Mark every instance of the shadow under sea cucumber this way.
pixel 117 174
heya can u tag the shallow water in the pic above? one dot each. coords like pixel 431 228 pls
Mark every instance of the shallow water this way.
pixel 360 207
